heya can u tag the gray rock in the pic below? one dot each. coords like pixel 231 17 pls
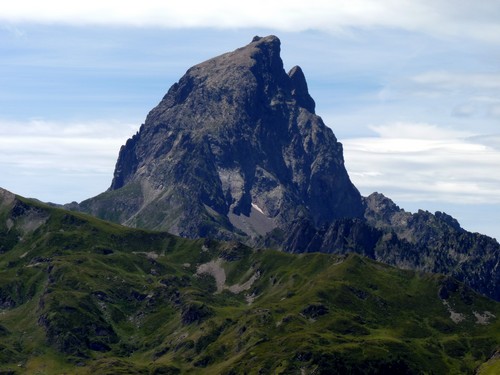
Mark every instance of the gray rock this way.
pixel 419 241
pixel 233 151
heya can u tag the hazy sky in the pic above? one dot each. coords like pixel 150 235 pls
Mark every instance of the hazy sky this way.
pixel 410 87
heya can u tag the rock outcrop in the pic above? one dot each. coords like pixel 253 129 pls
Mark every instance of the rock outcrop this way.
pixel 418 241
pixel 234 150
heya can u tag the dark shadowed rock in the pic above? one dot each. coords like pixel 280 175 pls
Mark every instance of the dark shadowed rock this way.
pixel 435 243
pixel 419 241
pixel 314 311
pixel 192 313
pixel 234 150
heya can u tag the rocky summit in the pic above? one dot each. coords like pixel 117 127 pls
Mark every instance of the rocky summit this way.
pixel 234 150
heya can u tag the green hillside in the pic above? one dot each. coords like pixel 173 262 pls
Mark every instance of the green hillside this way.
pixel 83 296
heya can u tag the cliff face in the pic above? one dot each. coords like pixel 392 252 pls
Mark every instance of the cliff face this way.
pixel 418 241
pixel 234 149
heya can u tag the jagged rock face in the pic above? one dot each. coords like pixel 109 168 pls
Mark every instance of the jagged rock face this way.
pixel 419 241
pixel 435 243
pixel 233 149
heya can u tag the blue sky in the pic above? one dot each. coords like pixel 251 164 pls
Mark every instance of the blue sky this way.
pixel 410 88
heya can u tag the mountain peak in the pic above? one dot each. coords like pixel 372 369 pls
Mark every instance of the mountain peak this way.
pixel 270 41
pixel 300 90
pixel 270 45
pixel 233 150
pixel 267 52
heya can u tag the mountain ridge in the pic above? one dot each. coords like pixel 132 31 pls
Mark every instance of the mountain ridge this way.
pixel 235 151
pixel 420 241
pixel 84 296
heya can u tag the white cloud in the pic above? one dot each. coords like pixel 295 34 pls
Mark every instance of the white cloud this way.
pixel 41 158
pixel 36 128
pixel 464 110
pixel 438 17
pixel 478 107
pixel 422 162
pixel 469 97
pixel 417 131
pixel 454 81
pixel 494 110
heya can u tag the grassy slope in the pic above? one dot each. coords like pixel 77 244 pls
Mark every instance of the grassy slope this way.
pixel 79 295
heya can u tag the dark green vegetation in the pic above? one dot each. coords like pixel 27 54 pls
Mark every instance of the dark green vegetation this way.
pixel 79 295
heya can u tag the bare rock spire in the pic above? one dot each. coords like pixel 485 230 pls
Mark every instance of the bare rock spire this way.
pixel 233 150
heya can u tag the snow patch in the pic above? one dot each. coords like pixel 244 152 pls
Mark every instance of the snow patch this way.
pixel 257 208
